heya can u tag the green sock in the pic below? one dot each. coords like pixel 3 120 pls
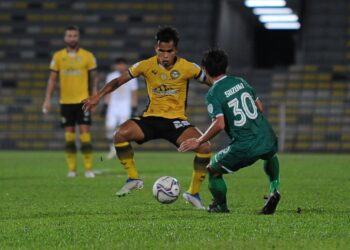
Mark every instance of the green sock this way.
pixel 218 189
pixel 272 169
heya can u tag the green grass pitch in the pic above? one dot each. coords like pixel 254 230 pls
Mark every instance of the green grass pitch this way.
pixel 40 208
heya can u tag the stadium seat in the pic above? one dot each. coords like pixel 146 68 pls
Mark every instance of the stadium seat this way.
pixel 110 29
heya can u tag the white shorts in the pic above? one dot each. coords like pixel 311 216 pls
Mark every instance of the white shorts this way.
pixel 115 117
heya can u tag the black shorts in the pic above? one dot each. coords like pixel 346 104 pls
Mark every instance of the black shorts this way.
pixel 72 114
pixel 161 128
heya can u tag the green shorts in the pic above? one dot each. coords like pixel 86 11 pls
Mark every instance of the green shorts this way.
pixel 233 158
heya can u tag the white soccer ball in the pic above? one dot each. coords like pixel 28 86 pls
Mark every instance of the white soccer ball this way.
pixel 166 189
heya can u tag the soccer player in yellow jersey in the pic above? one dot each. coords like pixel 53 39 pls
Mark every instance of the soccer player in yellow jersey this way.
pixel 73 67
pixel 167 77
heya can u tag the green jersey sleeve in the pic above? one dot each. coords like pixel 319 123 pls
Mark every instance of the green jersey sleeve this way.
pixel 213 106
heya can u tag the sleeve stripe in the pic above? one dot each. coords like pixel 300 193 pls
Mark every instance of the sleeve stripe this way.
pixel 130 74
pixel 220 114
pixel 201 76
pixel 54 70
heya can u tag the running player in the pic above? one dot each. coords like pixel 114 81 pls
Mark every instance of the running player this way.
pixel 167 77
pixel 233 106
pixel 73 66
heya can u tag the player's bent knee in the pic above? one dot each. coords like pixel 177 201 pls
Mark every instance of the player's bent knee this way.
pixel 212 171
pixel 204 148
pixel 121 135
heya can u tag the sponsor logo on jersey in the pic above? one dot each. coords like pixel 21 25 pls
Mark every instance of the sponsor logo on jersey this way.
pixel 78 59
pixel 174 74
pixel 154 72
pixel 72 72
pixel 164 90
pixel 163 76
pixel 234 89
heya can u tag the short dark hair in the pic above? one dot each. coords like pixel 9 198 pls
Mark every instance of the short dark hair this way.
pixel 215 62
pixel 119 60
pixel 72 27
pixel 167 34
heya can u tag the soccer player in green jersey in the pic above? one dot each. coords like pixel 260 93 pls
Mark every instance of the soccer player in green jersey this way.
pixel 232 104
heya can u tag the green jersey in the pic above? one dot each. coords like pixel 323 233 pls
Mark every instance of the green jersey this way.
pixel 233 98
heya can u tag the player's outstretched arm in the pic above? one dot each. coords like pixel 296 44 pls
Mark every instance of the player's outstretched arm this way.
pixel 92 101
pixel 51 84
pixel 215 127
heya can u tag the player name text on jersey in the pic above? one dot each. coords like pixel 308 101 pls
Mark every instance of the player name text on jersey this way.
pixel 234 89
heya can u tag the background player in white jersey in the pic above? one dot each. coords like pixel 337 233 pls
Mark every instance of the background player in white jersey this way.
pixel 121 104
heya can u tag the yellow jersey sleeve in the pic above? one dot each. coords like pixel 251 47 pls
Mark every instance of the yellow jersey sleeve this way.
pixel 195 72
pixel 91 62
pixel 139 68
pixel 55 62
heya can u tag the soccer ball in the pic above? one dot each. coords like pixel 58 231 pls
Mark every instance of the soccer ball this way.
pixel 166 189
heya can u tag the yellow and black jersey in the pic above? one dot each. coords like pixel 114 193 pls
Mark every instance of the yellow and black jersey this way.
pixel 73 72
pixel 167 88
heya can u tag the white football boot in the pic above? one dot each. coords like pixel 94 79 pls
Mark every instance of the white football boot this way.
pixel 89 174
pixel 194 199
pixel 72 174
pixel 111 154
pixel 130 185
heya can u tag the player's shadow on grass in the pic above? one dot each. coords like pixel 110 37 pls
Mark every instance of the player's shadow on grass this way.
pixel 308 211
pixel 118 214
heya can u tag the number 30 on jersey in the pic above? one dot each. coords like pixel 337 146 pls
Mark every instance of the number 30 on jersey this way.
pixel 241 109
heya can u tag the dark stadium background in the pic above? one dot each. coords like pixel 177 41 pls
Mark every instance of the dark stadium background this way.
pixel 301 75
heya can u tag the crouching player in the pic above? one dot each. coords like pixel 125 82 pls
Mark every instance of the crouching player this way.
pixel 233 106
pixel 167 77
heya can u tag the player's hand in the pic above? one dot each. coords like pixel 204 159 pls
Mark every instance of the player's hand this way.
pixel 46 107
pixel 189 144
pixel 90 103
pixel 94 109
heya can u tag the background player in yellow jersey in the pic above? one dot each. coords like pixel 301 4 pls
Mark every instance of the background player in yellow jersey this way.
pixel 167 77
pixel 73 67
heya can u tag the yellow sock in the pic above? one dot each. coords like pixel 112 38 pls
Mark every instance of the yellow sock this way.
pixel 86 149
pixel 125 154
pixel 71 151
pixel 200 163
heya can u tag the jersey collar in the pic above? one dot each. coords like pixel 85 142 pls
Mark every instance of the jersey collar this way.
pixel 221 78
pixel 76 52
pixel 175 61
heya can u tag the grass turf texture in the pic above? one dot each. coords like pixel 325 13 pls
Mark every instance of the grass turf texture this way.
pixel 40 208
